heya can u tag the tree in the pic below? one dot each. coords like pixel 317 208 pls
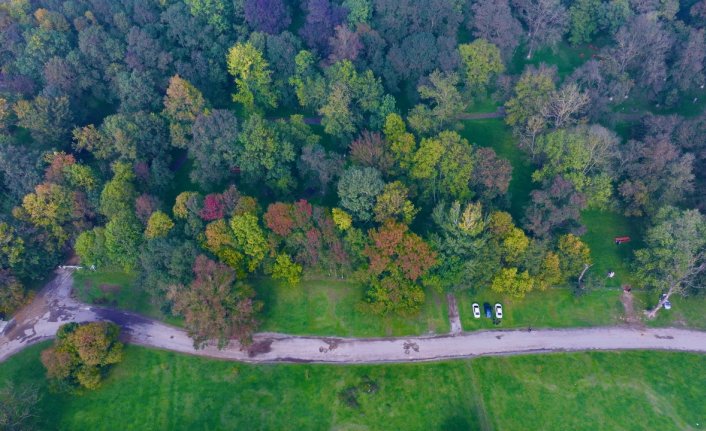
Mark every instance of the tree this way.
pixel 12 294
pixel 524 110
pixel 357 190
pixel 81 353
pixel 250 239
pixel 321 166
pixel 158 225
pixel 18 405
pixel 481 61
pixel 269 16
pixel 556 206
pixel 493 21
pixel 394 204
pixel 574 256
pixel 118 195
pixel 214 147
pixel 585 156
pixel 509 282
pixel 565 106
pixel 370 149
pixel 584 20
pixel 546 22
pixel 183 103
pixel 342 219
pixel 265 154
pixel 90 247
pixel 322 17
pixel 214 306
pixel 491 174
pixel 444 164
pixel 674 256
pixel 47 119
pixel 688 70
pixel 345 45
pixel 397 259
pixel 445 100
pixel 252 78
pixel 286 270
pixel 644 188
pixel 214 12
pixel 123 236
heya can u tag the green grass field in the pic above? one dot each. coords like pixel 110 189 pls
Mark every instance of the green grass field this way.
pixel 601 229
pixel 331 307
pixel 157 390
pixel 557 307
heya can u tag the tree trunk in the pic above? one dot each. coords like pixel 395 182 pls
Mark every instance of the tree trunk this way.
pixel 585 268
pixel 651 314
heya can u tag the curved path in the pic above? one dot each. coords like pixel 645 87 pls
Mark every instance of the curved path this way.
pixel 55 306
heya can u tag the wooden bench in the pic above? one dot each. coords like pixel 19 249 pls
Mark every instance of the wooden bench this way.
pixel 622 239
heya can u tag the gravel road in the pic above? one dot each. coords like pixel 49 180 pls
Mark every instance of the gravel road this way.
pixel 55 306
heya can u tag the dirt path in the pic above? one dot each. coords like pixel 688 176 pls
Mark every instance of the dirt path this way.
pixel 454 319
pixel 54 306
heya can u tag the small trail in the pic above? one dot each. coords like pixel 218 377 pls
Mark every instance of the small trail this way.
pixel 454 318
pixel 54 306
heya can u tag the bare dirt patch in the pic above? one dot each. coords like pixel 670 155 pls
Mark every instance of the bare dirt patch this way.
pixel 628 300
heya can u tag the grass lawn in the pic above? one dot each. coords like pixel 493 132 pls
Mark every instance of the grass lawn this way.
pixel 565 57
pixel 685 312
pixel 594 391
pixel 557 307
pixel 496 134
pixel 157 390
pixel 601 229
pixel 331 307
pixel 115 288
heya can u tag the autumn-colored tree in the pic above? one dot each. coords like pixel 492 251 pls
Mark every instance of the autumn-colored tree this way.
pixel 182 104
pixel 214 306
pixel 574 256
pixel 213 207
pixel 81 353
pixel 186 203
pixel 342 219
pixel 278 218
pixel 397 259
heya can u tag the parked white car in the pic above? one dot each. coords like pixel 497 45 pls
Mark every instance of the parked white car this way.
pixel 476 310
pixel 498 311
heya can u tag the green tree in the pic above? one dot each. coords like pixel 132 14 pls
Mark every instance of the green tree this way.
pixel 158 225
pixel 286 270
pixel 481 61
pixel 47 119
pixel 444 164
pixel 118 195
pixel 509 281
pixel 123 236
pixel 524 109
pixel 250 239
pixel 445 100
pixel 357 190
pixel 216 13
pixel 574 256
pixel 265 154
pixel 585 156
pixel 252 78
pixel 584 20
pixel 90 247
pixel 674 257
pixel 393 204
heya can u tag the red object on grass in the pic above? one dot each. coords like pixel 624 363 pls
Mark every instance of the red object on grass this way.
pixel 622 239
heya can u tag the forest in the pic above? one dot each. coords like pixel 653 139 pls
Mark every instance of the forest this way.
pixel 207 144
